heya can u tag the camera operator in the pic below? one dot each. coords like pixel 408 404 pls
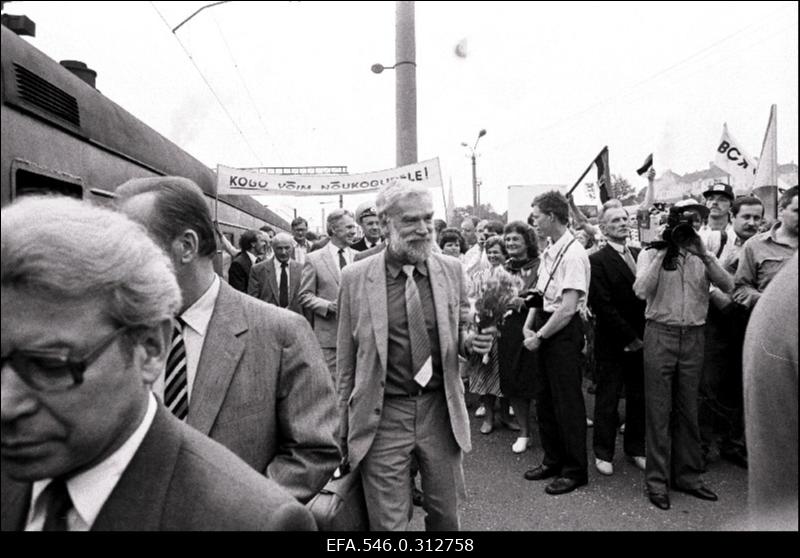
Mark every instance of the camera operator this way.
pixel 674 277
pixel 554 329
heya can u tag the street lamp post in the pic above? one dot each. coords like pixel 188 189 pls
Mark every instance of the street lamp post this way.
pixel 475 197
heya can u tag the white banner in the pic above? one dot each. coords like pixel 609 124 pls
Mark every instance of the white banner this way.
pixel 237 182
pixel 733 159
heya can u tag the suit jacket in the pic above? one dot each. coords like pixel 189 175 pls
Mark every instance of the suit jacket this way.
pixel 318 288
pixel 263 283
pixel 266 393
pixel 361 245
pixel 619 312
pixel 362 351
pixel 239 271
pixel 179 480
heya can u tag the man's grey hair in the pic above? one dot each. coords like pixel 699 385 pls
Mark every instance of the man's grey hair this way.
pixel 283 237
pixel 609 205
pixel 58 248
pixel 333 218
pixel 390 196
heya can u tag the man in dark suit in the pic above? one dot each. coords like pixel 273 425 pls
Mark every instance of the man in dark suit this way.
pixel 85 443
pixel 277 280
pixel 402 323
pixel 618 343
pixel 367 219
pixel 253 244
pixel 252 380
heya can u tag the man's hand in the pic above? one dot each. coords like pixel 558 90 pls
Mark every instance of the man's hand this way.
pixel 746 298
pixel 532 343
pixel 482 342
pixel 697 247
pixel 633 346
pixel 333 308
pixel 651 174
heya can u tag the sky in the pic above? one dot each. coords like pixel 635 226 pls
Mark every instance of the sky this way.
pixel 551 82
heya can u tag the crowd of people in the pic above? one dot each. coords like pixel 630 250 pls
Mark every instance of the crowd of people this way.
pixel 143 388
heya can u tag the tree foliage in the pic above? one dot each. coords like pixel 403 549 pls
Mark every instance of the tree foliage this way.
pixel 485 211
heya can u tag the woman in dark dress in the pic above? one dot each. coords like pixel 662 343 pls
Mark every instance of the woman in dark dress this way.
pixel 518 366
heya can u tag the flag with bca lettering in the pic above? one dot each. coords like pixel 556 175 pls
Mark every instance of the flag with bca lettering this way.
pixel 733 159
pixel 603 175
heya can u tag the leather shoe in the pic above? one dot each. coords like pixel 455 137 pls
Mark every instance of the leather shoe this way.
pixel 562 485
pixel 700 492
pixel 661 501
pixel 540 473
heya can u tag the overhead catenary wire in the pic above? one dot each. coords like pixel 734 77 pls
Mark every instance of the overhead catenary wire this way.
pixel 249 94
pixel 205 80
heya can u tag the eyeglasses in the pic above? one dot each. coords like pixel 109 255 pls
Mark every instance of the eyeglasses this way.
pixel 54 370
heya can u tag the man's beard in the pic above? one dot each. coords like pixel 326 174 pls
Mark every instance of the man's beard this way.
pixel 412 251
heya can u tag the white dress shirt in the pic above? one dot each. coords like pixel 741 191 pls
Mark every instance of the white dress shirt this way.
pixel 196 318
pixel 90 489
pixel 349 253
pixel 572 273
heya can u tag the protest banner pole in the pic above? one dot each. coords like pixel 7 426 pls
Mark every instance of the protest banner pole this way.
pixel 585 172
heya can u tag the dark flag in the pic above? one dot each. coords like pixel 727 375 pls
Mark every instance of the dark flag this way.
pixel 603 175
pixel 646 166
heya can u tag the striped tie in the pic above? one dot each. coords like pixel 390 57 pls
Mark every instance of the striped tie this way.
pixel 59 504
pixel 417 331
pixel 176 387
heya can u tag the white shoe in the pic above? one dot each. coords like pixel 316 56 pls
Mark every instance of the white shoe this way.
pixel 520 445
pixel 510 411
pixel 640 461
pixel 589 422
pixel 622 428
pixel 481 412
pixel 604 467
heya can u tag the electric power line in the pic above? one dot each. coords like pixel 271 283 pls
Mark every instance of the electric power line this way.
pixel 249 95
pixel 221 104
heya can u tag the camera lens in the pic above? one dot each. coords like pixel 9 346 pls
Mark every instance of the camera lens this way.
pixel 683 234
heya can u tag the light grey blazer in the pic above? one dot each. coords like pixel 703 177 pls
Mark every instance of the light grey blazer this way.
pixel 266 393
pixel 318 288
pixel 362 350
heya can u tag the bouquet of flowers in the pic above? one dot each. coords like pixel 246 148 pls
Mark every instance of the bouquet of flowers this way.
pixel 491 307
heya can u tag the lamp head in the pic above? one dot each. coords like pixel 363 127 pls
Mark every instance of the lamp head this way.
pixel 377 68
pixel 481 133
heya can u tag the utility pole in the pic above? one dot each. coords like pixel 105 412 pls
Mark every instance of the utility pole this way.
pixel 474 186
pixel 406 83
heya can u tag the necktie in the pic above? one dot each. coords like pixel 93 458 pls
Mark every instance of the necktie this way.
pixel 342 261
pixel 283 297
pixel 417 331
pixel 628 257
pixel 176 387
pixel 58 505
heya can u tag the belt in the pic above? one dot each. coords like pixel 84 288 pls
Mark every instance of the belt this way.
pixel 670 327
pixel 407 395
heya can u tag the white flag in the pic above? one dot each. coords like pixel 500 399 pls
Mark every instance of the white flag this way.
pixel 733 159
pixel 767 173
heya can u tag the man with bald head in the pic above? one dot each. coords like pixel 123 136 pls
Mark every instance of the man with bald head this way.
pixel 245 373
pixel 277 279
pixel 618 345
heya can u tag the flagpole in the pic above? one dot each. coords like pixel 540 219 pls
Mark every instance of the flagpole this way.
pixel 586 171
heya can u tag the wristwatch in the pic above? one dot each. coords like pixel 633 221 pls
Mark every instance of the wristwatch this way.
pixel 539 335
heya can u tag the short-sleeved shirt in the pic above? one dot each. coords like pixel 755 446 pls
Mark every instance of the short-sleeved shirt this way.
pixel 681 297
pixel 573 272
pixel 761 258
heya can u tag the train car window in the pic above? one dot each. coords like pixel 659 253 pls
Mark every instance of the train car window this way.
pixel 31 183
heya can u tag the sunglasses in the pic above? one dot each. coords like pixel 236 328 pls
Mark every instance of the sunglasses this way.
pixel 53 370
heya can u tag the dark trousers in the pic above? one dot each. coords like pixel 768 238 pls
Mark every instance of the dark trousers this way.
pixel 721 406
pixel 626 369
pixel 560 410
pixel 673 362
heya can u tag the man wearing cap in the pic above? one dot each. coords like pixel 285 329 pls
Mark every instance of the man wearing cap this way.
pixel 367 219
pixel 675 284
pixel 719 198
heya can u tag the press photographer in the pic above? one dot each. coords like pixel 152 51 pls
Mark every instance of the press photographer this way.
pixel 674 277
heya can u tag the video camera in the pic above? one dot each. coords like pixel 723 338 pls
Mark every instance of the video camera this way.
pixel 679 233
